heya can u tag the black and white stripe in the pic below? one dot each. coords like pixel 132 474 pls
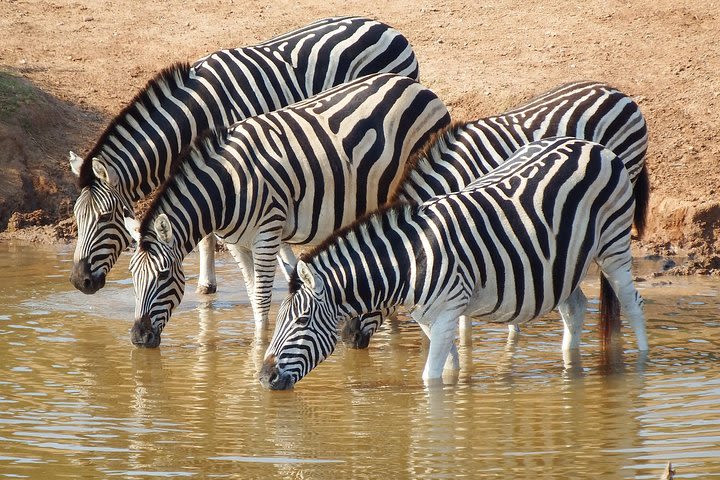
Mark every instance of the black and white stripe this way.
pixel 466 151
pixel 294 175
pixel 135 153
pixel 588 110
pixel 508 248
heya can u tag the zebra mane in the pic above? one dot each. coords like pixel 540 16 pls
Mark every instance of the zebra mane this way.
pixel 208 141
pixel 172 77
pixel 414 162
pixel 370 221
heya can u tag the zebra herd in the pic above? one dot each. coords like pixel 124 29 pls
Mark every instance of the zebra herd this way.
pixel 324 137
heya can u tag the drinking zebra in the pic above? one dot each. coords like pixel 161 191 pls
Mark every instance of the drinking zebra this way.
pixel 135 153
pixel 465 151
pixel 294 175
pixel 509 247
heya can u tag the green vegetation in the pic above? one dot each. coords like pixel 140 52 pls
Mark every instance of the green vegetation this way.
pixel 14 92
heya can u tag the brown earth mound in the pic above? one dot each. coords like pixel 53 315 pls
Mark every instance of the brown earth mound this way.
pixel 36 133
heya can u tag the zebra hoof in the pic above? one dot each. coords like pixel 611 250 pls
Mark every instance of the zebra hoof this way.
pixel 206 289
pixel 353 337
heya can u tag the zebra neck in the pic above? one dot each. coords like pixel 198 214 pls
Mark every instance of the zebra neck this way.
pixel 370 266
pixel 143 143
pixel 191 202
pixel 438 168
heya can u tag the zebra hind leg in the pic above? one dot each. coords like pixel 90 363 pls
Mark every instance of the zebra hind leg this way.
pixel 207 280
pixel 572 311
pixel 631 304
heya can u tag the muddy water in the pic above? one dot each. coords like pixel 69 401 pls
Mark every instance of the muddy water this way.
pixel 77 400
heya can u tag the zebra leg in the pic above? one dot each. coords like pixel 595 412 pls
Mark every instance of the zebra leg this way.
pixel 207 282
pixel 631 303
pixel 513 332
pixel 442 344
pixel 287 260
pixel 244 258
pixel 465 330
pixel 264 253
pixel 572 312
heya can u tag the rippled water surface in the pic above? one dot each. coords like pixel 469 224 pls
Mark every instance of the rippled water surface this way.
pixel 77 400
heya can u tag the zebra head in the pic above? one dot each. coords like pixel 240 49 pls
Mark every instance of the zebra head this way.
pixel 305 332
pixel 158 280
pixel 99 213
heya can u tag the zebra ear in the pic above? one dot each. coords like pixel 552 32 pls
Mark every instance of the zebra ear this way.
pixel 308 277
pixel 133 227
pixel 103 173
pixel 75 163
pixel 163 229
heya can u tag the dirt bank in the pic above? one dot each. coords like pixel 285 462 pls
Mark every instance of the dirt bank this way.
pixel 75 64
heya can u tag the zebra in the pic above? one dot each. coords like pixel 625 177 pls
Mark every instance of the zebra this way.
pixel 508 247
pixel 135 153
pixel 293 175
pixel 465 151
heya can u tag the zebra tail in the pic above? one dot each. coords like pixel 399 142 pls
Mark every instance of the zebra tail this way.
pixel 641 192
pixel 609 313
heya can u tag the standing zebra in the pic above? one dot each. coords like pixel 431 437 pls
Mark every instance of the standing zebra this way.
pixel 509 247
pixel 135 153
pixel 294 175
pixel 465 151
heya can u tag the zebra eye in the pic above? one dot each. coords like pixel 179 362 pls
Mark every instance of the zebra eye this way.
pixel 303 320
pixel 104 217
pixel 163 275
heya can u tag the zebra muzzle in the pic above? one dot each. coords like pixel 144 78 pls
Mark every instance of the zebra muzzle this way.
pixel 84 280
pixel 143 335
pixel 353 336
pixel 272 378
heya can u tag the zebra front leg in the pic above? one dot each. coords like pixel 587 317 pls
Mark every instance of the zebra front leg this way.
pixel 244 259
pixel 465 330
pixel 264 253
pixel 631 303
pixel 513 332
pixel 207 281
pixel 442 345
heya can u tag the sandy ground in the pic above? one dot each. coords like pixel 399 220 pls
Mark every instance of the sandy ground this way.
pixel 90 57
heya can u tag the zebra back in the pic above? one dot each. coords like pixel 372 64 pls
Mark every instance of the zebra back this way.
pixel 588 110
pixel 328 160
pixel 182 101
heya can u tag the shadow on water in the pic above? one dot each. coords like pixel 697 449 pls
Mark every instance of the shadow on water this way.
pixel 77 400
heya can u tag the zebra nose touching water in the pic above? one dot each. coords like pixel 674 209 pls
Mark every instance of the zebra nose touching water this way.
pixel 135 153
pixel 294 175
pixel 507 248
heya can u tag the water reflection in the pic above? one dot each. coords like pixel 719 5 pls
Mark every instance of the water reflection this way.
pixel 77 400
